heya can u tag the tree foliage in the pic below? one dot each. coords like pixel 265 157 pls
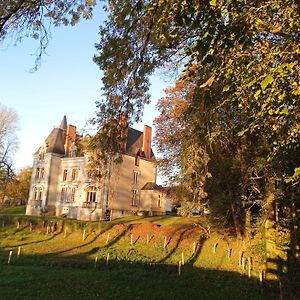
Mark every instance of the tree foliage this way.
pixel 8 144
pixel 18 187
pixel 33 18
pixel 234 113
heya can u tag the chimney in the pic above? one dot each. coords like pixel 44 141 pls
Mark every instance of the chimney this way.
pixel 147 136
pixel 70 137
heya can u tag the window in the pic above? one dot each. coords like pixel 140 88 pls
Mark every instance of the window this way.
pixel 159 201
pixel 74 174
pixel 63 194
pixel 65 175
pixel 91 195
pixel 37 194
pixel 135 194
pixel 137 157
pixel 37 173
pixel 73 150
pixel 135 177
pixel 72 197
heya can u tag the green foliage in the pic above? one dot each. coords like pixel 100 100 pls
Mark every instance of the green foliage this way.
pixel 238 131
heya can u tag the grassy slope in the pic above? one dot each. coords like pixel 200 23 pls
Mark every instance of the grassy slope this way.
pixel 61 264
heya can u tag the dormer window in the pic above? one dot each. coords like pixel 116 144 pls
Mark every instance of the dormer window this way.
pixel 43 150
pixel 138 157
pixel 73 150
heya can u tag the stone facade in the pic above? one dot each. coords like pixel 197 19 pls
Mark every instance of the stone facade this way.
pixel 61 186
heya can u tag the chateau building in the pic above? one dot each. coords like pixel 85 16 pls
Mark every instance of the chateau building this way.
pixel 61 186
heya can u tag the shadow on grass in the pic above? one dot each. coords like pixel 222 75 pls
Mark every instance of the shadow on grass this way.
pixel 35 277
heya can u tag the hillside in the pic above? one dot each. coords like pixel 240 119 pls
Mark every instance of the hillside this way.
pixel 130 258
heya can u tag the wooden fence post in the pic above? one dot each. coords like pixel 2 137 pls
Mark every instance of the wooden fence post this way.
pixel 179 268
pixel 165 242
pixel 19 251
pixel 9 257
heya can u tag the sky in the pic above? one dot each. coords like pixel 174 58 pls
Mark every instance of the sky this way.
pixel 67 82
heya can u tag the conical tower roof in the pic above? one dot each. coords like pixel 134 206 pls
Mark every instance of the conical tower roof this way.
pixel 63 124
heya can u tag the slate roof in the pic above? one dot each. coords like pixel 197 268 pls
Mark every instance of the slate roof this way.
pixel 135 142
pixel 56 140
pixel 153 186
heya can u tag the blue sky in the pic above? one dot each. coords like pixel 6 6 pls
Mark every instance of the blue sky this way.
pixel 68 82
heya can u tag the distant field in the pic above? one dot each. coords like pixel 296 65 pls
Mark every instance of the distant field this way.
pixel 71 262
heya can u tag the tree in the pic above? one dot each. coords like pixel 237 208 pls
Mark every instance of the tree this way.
pixel 8 144
pixel 18 187
pixel 242 58
pixel 34 18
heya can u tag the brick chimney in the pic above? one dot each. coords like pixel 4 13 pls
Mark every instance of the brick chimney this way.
pixel 70 137
pixel 147 137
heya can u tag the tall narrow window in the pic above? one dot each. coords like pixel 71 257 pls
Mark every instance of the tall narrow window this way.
pixel 42 173
pixel 37 194
pixel 91 195
pixel 74 174
pixel 40 194
pixel 65 175
pixel 72 197
pixel 134 199
pixel 37 173
pixel 135 177
pixel 159 201
pixel 63 194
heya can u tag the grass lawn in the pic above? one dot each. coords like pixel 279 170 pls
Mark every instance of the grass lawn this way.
pixel 124 282
pixel 143 260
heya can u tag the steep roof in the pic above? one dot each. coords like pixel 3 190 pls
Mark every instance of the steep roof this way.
pixel 135 142
pixel 64 123
pixel 55 142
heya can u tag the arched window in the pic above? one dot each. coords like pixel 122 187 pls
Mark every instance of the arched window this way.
pixel 91 196
pixel 38 193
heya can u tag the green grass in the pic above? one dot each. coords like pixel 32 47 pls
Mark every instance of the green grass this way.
pixel 13 210
pixel 61 265
pixel 125 282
